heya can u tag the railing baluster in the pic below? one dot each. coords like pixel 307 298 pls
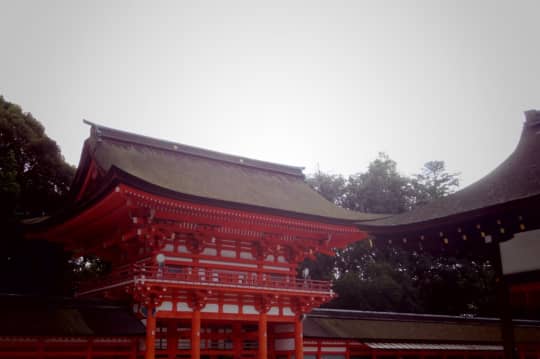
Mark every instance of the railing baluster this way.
pixel 202 275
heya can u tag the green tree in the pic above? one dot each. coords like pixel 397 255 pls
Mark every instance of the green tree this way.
pixel 331 187
pixel 391 278
pixel 34 178
pixel 455 285
pixel 433 182
pixel 384 289
pixel 379 190
pixel 373 279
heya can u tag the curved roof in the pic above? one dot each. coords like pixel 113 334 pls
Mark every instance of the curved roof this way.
pixel 517 178
pixel 207 175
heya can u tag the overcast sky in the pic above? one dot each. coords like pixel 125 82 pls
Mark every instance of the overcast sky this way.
pixel 308 83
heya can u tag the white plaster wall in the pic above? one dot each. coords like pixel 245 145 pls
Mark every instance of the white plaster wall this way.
pixel 521 253
pixel 165 306
pixel 284 344
pixel 183 307
pixel 210 308
pixel 230 308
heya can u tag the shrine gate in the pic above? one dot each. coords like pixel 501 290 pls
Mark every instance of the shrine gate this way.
pixel 205 246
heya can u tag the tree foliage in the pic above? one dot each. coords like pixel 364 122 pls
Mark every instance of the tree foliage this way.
pixel 433 182
pixel 393 279
pixel 373 280
pixel 33 174
pixel 382 189
pixel 331 187
pixel 379 190
pixel 34 180
pixel 389 278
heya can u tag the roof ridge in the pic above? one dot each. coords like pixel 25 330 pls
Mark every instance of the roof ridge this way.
pixel 100 131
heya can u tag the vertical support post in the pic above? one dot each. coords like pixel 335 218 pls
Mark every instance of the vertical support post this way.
pixel 298 338
pixel 197 302
pixel 150 332
pixel 196 333
pixel 263 335
pixel 505 310
pixel 172 339
pixel 237 339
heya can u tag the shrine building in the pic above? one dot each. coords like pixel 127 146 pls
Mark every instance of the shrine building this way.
pixel 205 246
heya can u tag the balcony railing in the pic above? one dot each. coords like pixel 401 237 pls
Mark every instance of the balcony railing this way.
pixel 197 277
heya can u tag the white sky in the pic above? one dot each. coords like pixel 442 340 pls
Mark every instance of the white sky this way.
pixel 327 83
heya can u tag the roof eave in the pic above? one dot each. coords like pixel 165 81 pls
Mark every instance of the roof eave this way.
pixel 455 220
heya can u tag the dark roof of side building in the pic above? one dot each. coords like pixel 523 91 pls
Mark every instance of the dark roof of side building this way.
pixel 515 179
pixel 46 316
pixel 203 175
pixel 380 326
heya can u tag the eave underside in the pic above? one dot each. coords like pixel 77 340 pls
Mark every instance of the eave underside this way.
pixel 465 232
pixel 125 209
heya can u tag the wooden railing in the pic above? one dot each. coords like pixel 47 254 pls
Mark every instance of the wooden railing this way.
pixel 197 276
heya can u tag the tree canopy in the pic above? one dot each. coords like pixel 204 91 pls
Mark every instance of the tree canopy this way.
pixel 433 182
pixel 331 187
pixel 382 189
pixel 392 279
pixel 34 181
pixel 34 178
pixel 379 190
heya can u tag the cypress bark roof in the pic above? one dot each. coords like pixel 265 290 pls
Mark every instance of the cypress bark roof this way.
pixel 207 175
pixel 398 327
pixel 42 316
pixel 517 178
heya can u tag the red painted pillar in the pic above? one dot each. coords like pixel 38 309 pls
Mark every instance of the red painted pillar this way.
pixel 237 339
pixel 150 333
pixel 263 335
pixel 172 339
pixel 298 338
pixel 196 334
